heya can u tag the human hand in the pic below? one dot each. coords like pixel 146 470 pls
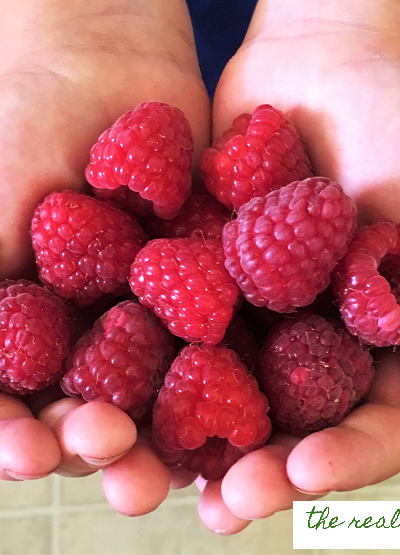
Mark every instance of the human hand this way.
pixel 71 70
pixel 332 68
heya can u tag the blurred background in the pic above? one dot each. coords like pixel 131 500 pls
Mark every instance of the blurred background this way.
pixel 69 516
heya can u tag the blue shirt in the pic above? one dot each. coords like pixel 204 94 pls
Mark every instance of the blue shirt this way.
pixel 219 28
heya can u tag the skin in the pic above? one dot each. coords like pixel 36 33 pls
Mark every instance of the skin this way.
pixel 71 70
pixel 334 68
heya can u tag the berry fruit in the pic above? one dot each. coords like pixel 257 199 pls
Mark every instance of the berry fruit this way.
pixel 202 216
pixel 187 285
pixel 35 336
pixel 127 200
pixel 367 285
pixel 209 412
pixel 282 248
pixel 84 246
pixel 122 360
pixel 313 373
pixel 260 153
pixel 149 150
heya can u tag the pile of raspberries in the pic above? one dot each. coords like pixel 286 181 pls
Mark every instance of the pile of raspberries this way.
pixel 217 313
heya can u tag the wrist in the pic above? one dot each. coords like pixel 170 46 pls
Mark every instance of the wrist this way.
pixel 285 17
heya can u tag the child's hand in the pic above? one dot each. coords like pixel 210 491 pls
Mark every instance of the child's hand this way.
pixel 70 70
pixel 333 68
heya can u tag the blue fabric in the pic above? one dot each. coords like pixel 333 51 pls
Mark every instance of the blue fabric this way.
pixel 219 28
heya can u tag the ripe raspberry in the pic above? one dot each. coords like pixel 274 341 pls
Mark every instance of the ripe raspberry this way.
pixel 260 153
pixel 122 360
pixel 313 373
pixel 282 247
pixel 366 283
pixel 209 412
pixel 148 149
pixel 35 336
pixel 84 246
pixel 128 201
pixel 239 338
pixel 186 284
pixel 202 216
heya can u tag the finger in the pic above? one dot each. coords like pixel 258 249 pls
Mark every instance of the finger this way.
pixel 91 435
pixel 215 514
pixel 181 478
pixel 363 450
pixel 257 486
pixel 137 483
pixel 28 449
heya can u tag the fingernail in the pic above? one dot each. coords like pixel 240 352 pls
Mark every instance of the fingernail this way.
pixel 321 493
pixel 102 462
pixel 23 477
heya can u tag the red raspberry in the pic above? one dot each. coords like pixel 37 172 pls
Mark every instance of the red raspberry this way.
pixel 202 216
pixel 148 149
pixel 186 284
pixel 260 153
pixel 127 200
pixel 209 412
pixel 313 373
pixel 282 247
pixel 366 283
pixel 239 338
pixel 84 246
pixel 122 360
pixel 35 336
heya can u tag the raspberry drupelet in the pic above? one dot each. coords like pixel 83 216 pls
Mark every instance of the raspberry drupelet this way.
pixel 122 360
pixel 84 246
pixel 282 248
pixel 367 285
pixel 184 281
pixel 201 216
pixel 260 153
pixel 35 336
pixel 210 412
pixel 313 373
pixel 149 150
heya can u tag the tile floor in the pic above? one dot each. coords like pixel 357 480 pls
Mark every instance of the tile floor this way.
pixel 65 516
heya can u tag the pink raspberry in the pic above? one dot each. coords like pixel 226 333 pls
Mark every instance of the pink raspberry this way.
pixel 148 149
pixel 209 412
pixel 201 216
pixel 122 360
pixel 35 336
pixel 367 285
pixel 313 373
pixel 282 247
pixel 84 246
pixel 186 284
pixel 260 153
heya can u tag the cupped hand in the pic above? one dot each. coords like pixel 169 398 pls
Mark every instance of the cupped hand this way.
pixel 67 72
pixel 333 69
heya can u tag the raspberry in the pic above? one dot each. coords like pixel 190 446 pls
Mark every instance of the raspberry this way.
pixel 366 283
pixel 121 360
pixel 186 284
pixel 127 200
pixel 35 336
pixel 313 373
pixel 282 247
pixel 239 338
pixel 84 246
pixel 148 149
pixel 202 216
pixel 209 412
pixel 260 153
